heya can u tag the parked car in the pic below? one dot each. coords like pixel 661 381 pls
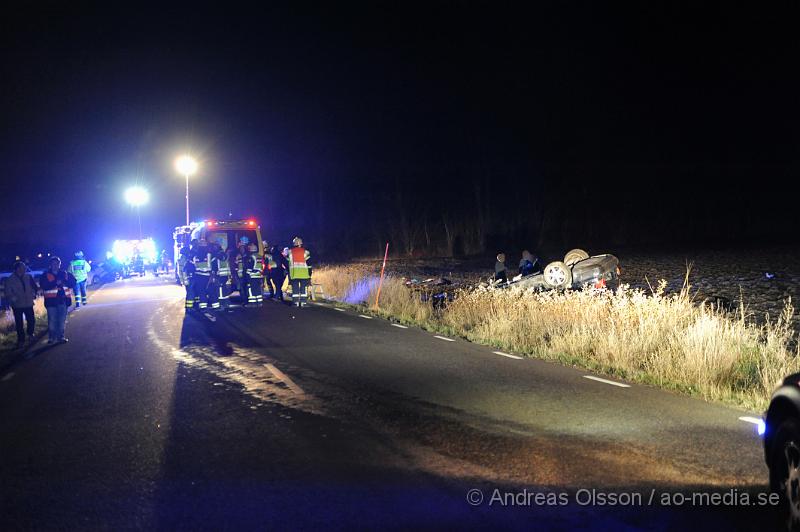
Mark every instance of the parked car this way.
pixel 781 439
pixel 577 270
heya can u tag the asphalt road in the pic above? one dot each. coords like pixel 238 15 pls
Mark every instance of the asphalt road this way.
pixel 317 417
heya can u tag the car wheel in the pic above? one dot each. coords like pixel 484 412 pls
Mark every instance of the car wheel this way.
pixel 784 472
pixel 557 275
pixel 574 256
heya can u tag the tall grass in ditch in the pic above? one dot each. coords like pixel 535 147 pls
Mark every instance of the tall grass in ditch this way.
pixel 8 334
pixel 668 340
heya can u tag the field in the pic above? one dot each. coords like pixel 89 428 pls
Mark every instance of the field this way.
pixel 726 332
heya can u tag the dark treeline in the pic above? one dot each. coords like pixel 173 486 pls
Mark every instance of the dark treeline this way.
pixel 461 210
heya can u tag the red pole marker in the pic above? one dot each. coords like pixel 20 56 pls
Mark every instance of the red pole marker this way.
pixel 383 268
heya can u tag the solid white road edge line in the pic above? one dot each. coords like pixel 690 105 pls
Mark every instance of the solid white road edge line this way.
pixel 598 379
pixel 399 326
pixel 753 420
pixel 365 317
pixel 339 309
pixel 285 378
pixel 445 339
pixel 515 357
pixel 8 377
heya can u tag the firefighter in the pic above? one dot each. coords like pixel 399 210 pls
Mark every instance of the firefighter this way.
pixel 237 261
pixel 299 271
pixel 79 268
pixel 187 276
pixel 253 276
pixel 202 274
pixel 222 274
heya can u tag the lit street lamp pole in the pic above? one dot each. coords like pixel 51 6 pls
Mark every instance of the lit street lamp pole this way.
pixel 186 166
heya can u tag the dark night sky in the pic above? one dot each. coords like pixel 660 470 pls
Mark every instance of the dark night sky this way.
pixel 313 118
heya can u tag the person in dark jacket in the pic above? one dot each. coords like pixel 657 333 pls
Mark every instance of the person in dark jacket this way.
pixel 277 272
pixel 528 263
pixel 500 268
pixel 20 290
pixel 57 287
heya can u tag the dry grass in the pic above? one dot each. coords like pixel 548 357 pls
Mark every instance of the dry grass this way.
pixel 668 340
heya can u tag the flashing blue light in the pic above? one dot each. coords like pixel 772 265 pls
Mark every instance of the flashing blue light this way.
pixel 762 427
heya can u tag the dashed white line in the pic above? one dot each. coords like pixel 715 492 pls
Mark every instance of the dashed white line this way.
pixel 365 317
pixel 319 304
pixel 339 309
pixel 612 383
pixel 445 339
pixel 515 357
pixel 8 377
pixel 399 326
pixel 285 378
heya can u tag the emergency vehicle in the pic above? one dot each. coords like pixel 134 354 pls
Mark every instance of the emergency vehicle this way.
pixel 227 233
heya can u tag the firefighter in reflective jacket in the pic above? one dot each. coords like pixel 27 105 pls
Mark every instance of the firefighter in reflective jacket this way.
pixel 79 269
pixel 221 270
pixel 187 276
pixel 253 276
pixel 201 258
pixel 299 271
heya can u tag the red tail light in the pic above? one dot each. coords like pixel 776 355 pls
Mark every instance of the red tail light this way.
pixel 251 222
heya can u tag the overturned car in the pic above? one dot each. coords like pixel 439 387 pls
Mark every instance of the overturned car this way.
pixel 577 270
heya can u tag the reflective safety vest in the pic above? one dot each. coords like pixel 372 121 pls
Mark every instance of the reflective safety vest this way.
pixel 203 265
pixel 50 288
pixel 254 264
pixel 223 267
pixel 80 269
pixel 298 263
pixel 271 264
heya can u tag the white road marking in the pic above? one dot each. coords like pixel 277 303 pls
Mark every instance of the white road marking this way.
pixel 515 357
pixel 399 326
pixel 612 383
pixel 445 339
pixel 339 309
pixel 319 304
pixel 365 317
pixel 285 378
pixel 8 377
pixel 209 316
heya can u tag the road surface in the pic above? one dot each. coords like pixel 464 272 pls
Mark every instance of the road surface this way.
pixel 320 417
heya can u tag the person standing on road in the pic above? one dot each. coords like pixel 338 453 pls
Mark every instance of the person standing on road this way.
pixel 254 278
pixel 186 271
pixel 269 265
pixel 278 273
pixel 221 266
pixel 20 290
pixel 202 274
pixel 299 271
pixel 79 268
pixel 57 286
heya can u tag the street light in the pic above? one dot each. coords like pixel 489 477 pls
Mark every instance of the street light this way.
pixel 136 197
pixel 186 165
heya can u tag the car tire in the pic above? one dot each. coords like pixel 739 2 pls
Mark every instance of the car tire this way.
pixel 784 471
pixel 574 256
pixel 557 275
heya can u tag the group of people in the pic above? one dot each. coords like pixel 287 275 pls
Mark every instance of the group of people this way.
pixel 211 274
pixel 57 286
pixel 528 264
